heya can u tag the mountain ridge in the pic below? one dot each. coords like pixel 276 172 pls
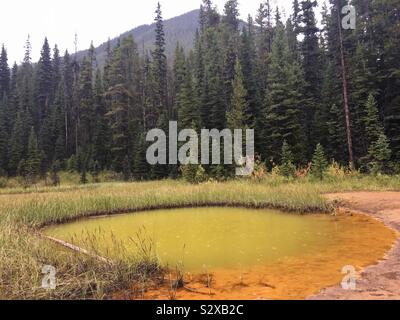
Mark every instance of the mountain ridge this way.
pixel 180 29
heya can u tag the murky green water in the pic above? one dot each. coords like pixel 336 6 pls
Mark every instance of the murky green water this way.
pixel 211 237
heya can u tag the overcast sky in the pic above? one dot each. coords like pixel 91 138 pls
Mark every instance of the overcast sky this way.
pixel 91 19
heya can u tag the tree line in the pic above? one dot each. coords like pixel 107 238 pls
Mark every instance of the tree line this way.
pixel 287 80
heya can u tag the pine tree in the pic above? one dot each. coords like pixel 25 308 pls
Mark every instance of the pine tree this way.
pixel 230 40
pixel 187 111
pixel 160 66
pixel 85 114
pixel 56 71
pixel 247 56
pixel 373 126
pixel 101 130
pixel 284 101
pixel 379 155
pixel 213 108
pixel 311 65
pixel 44 84
pixel 68 85
pixel 17 144
pixel 319 163
pixel 263 43
pixel 33 160
pixel 140 168
pixel 287 168
pixel 58 125
pixel 236 116
pixel 336 135
pixel 4 73
pixel 179 73
pixel 124 114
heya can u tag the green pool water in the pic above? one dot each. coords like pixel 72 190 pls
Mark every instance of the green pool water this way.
pixel 209 238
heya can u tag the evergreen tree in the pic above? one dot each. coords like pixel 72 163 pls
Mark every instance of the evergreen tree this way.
pixel 236 117
pixel 284 101
pixel 187 112
pixel 101 129
pixel 319 163
pixel 247 56
pixel 379 155
pixel 373 126
pixel 311 66
pixel 85 112
pixel 17 144
pixel 44 84
pixel 33 160
pixel 4 73
pixel 160 66
pixel 336 135
pixel 287 168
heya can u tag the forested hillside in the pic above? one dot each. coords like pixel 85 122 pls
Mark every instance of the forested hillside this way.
pixel 289 80
pixel 180 29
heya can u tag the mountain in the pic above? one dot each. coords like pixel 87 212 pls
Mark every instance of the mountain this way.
pixel 181 28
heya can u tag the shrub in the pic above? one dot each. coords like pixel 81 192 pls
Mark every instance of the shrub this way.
pixel 260 170
pixel 335 171
pixel 193 173
pixel 3 182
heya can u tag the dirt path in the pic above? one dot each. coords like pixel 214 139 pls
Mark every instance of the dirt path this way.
pixel 382 281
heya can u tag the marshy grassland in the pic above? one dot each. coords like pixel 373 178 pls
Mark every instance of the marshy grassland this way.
pixel 24 211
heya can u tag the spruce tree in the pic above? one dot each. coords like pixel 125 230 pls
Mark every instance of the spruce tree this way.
pixel 44 84
pixel 4 73
pixel 236 117
pixel 319 163
pixel 336 135
pixel 17 145
pixel 159 66
pixel 140 168
pixel 101 132
pixel 284 101
pixel 311 66
pixel 33 160
pixel 379 155
pixel 287 168
pixel 373 126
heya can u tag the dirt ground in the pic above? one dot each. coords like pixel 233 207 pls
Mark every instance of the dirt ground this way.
pixel 381 281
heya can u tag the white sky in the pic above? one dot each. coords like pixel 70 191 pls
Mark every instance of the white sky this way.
pixel 91 19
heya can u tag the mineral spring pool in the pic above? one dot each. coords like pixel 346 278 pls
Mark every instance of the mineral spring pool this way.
pixel 199 239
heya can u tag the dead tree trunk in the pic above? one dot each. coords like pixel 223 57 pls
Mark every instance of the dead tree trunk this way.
pixel 345 91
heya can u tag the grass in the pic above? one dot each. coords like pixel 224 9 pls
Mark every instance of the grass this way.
pixel 23 211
